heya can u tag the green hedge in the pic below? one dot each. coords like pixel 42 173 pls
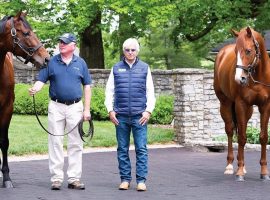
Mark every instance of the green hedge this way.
pixel 163 113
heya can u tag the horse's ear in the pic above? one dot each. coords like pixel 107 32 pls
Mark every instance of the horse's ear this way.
pixel 249 33
pixel 234 32
pixel 18 14
pixel 21 14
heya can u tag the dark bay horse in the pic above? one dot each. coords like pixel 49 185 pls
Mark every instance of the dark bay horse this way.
pixel 17 37
pixel 241 80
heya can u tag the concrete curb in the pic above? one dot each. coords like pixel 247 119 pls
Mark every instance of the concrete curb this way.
pixel 88 150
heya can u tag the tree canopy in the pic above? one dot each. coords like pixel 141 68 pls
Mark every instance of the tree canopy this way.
pixel 173 33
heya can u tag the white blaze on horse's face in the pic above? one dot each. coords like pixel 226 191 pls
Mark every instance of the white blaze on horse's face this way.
pixel 240 74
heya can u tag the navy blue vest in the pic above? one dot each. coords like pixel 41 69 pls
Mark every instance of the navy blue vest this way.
pixel 130 88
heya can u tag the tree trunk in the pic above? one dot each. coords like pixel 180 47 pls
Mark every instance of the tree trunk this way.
pixel 126 30
pixel 91 47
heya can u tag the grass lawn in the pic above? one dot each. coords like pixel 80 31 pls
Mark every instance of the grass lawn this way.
pixel 27 137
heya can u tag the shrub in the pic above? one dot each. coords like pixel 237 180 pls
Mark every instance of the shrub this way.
pixel 162 114
pixel 98 109
pixel 24 102
pixel 253 136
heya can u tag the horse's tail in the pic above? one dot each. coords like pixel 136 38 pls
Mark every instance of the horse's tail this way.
pixel 234 118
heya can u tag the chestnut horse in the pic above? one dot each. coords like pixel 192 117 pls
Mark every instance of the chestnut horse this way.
pixel 17 37
pixel 241 80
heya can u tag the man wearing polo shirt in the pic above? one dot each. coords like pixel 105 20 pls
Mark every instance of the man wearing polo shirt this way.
pixel 66 73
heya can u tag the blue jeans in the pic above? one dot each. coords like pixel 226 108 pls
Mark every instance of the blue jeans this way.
pixel 123 130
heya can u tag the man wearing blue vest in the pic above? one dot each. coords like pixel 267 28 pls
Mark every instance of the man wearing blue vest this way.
pixel 66 73
pixel 130 100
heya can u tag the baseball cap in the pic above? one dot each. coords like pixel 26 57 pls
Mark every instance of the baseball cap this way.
pixel 68 38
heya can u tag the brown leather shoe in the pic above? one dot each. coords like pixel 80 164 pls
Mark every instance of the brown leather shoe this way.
pixel 124 185
pixel 76 185
pixel 141 187
pixel 56 185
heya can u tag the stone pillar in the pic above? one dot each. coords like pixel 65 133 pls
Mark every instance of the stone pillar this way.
pixel 189 106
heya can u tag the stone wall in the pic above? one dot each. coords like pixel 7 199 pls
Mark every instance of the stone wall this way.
pixel 163 80
pixel 196 108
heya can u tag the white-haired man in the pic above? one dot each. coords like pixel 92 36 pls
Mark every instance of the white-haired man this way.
pixel 130 100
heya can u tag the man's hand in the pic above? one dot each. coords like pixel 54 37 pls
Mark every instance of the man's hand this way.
pixel 145 118
pixel 32 91
pixel 86 115
pixel 36 88
pixel 113 118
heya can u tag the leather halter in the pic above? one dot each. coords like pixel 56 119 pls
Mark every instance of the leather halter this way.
pixel 250 69
pixel 16 41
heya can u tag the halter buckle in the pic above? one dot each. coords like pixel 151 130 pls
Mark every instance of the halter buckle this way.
pixel 13 32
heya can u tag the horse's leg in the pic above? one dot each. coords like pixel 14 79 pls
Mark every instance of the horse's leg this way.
pixel 226 114
pixel 244 113
pixel 263 140
pixel 5 168
pixel 4 143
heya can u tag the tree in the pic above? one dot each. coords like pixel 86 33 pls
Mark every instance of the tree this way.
pixel 189 26
pixel 86 15
pixel 164 55
pixel 52 18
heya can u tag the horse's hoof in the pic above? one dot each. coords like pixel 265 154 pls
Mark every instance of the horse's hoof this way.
pixel 8 184
pixel 229 169
pixel 265 177
pixel 228 172
pixel 239 178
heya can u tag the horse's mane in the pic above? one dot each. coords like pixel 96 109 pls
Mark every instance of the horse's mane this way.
pixel 25 22
pixel 6 18
pixel 260 39
pixel 3 23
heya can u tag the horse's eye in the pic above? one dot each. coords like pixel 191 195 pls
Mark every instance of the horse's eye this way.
pixel 26 33
pixel 248 51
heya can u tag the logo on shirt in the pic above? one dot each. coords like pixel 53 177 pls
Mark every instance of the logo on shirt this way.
pixel 122 70
pixel 76 68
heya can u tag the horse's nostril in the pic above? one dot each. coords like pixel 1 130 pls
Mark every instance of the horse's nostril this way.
pixel 243 80
pixel 47 60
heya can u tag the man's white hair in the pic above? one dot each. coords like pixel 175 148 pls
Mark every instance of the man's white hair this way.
pixel 131 41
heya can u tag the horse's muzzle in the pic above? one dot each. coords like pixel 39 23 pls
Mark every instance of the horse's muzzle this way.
pixel 46 61
pixel 243 80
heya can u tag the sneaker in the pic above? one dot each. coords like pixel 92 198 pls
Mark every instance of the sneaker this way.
pixel 124 185
pixel 56 185
pixel 76 185
pixel 141 187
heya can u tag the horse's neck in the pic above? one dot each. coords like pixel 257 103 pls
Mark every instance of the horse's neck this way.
pixel 6 44
pixel 2 59
pixel 264 66
pixel 6 71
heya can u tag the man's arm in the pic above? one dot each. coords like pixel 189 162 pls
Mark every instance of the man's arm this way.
pixel 87 102
pixel 36 88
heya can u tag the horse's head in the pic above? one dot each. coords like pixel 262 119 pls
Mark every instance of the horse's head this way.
pixel 248 53
pixel 22 41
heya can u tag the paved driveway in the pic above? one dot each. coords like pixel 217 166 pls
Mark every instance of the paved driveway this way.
pixel 175 173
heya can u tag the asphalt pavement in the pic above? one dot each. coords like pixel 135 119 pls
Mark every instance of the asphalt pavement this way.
pixel 176 173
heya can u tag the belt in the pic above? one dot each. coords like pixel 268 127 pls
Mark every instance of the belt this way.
pixel 66 102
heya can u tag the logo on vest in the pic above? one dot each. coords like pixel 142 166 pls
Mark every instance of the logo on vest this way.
pixel 122 70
